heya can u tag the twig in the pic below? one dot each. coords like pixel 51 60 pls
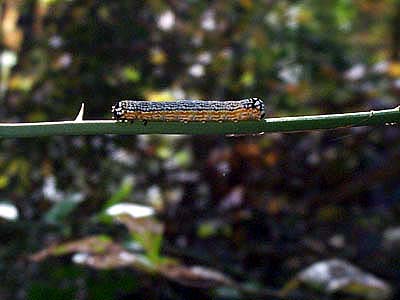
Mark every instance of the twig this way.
pixel 285 124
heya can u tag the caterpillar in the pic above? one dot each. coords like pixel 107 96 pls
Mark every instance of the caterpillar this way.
pixel 189 110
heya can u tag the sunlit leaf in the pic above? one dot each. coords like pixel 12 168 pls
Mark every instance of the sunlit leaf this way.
pixel 4 180
pixel 158 56
pixel 246 3
pixel 8 211
pixel 247 79
pixel 345 12
pixel 115 258
pixel 12 34
pixel 183 158
pixel 337 276
pixel 394 69
pixel 164 151
pixel 159 96
pixel 131 74
pixel 133 210
pixel 8 59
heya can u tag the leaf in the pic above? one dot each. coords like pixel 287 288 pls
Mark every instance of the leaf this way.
pixel 183 158
pixel 8 211
pixel 338 276
pixel 122 193
pixel 164 95
pixel 158 56
pixel 98 252
pixel 115 258
pixel 146 231
pixel 345 13
pixel 60 210
pixel 207 229
pixel 133 210
pixel 131 74
pixel 140 225
pixel 195 276
pixel 92 244
pixel 247 79
pixel 394 69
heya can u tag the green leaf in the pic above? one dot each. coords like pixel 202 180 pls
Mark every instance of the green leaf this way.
pixel 183 158
pixel 122 193
pixel 131 74
pixel 151 243
pixel 60 210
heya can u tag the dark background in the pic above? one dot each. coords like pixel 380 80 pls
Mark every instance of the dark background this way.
pixel 260 209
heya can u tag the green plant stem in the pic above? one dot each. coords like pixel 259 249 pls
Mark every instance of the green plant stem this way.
pixel 284 124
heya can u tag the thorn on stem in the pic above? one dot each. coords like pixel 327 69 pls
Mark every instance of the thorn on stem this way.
pixel 79 116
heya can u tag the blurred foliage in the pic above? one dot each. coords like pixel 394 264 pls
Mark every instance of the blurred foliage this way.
pixel 257 209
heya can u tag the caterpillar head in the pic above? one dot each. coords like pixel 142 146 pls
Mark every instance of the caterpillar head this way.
pixel 118 110
pixel 258 104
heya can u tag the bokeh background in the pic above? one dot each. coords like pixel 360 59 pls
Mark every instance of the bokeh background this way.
pixel 257 209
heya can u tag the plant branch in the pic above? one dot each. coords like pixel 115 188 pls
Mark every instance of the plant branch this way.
pixel 284 124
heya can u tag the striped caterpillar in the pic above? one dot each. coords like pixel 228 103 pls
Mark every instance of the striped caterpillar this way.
pixel 189 110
